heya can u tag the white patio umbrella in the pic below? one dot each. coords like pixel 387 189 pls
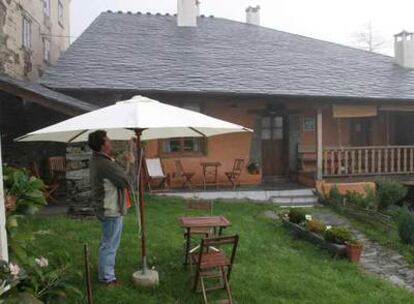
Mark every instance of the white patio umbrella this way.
pixel 142 117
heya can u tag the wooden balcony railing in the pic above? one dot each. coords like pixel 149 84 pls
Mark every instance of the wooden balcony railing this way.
pixel 366 161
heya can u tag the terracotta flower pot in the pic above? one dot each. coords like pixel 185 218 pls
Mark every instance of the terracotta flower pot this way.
pixel 353 251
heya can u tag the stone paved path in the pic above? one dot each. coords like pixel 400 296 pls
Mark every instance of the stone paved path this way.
pixel 375 259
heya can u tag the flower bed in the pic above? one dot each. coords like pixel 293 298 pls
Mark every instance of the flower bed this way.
pixel 335 239
pixel 302 232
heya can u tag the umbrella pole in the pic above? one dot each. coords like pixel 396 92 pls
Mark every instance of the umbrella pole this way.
pixel 140 180
pixel 145 277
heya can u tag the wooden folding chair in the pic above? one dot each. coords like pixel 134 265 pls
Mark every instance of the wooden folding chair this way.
pixel 234 175
pixel 155 173
pixel 215 264
pixel 48 189
pixel 57 167
pixel 194 205
pixel 183 175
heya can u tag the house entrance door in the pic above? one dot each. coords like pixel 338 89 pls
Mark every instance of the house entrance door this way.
pixel 273 156
pixel 360 132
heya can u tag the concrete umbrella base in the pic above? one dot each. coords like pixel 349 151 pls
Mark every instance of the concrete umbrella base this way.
pixel 149 279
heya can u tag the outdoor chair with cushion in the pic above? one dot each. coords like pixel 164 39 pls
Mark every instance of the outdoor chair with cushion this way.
pixel 183 175
pixel 214 266
pixel 234 175
pixel 155 174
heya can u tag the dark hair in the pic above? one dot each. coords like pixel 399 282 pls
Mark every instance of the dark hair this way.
pixel 96 140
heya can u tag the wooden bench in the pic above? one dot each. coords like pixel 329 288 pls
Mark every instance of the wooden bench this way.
pixel 307 157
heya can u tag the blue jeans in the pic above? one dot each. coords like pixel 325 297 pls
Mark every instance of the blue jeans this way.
pixel 111 237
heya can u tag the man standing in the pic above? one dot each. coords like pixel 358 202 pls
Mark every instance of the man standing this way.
pixel 110 197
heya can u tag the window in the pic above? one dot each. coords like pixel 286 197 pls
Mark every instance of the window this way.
pixel 46 49
pixel 309 124
pixel 272 127
pixel 60 13
pixel 46 7
pixel 185 145
pixel 26 33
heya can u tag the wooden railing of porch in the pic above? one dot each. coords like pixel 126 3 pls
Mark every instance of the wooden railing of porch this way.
pixel 367 161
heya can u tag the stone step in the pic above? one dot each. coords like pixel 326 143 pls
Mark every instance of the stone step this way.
pixel 294 192
pixel 295 199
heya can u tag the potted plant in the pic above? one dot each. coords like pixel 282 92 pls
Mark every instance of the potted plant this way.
pixel 253 167
pixel 353 250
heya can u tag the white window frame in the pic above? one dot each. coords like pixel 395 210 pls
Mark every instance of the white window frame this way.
pixel 46 49
pixel 26 32
pixel 46 7
pixel 60 13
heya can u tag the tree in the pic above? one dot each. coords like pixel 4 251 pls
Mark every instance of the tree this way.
pixel 369 39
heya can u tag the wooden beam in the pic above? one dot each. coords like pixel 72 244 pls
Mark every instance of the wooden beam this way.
pixel 4 254
pixel 319 145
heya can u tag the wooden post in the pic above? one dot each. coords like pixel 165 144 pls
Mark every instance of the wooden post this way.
pixel 319 145
pixel 140 180
pixel 4 254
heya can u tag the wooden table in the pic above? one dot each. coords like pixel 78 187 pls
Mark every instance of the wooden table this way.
pixel 189 222
pixel 210 169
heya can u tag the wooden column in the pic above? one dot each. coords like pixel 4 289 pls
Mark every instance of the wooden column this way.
pixel 319 146
pixel 4 254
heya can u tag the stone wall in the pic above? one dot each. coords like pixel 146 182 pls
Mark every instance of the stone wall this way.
pixel 22 63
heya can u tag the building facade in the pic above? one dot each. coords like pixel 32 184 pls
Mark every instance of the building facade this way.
pixel 33 34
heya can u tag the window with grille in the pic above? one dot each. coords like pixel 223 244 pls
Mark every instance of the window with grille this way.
pixel 184 145
pixel 46 49
pixel 46 7
pixel 272 127
pixel 60 13
pixel 26 33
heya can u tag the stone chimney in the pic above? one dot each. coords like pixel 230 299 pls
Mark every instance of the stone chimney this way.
pixel 187 12
pixel 404 49
pixel 253 15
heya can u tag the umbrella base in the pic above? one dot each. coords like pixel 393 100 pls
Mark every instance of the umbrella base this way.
pixel 149 279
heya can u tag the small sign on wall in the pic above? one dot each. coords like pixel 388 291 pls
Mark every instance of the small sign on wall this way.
pixel 309 124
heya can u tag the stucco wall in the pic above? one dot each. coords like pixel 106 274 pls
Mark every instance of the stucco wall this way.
pixel 21 63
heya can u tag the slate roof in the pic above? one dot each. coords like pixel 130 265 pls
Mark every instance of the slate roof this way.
pixel 38 93
pixel 151 53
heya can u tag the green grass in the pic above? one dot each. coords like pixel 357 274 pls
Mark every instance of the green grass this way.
pixel 271 266
pixel 386 237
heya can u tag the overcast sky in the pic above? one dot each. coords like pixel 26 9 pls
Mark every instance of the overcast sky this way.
pixel 332 20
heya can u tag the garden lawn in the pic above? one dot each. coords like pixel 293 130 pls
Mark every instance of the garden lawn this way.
pixel 388 238
pixel 271 266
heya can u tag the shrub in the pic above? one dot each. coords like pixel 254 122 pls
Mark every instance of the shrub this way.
pixel 335 197
pixel 405 222
pixel 338 235
pixel 367 201
pixel 316 226
pixel 296 215
pixel 389 192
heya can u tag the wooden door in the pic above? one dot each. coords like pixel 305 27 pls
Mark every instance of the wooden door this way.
pixel 360 132
pixel 273 134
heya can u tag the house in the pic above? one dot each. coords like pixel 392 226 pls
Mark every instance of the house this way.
pixel 319 110
pixel 33 34
pixel 26 106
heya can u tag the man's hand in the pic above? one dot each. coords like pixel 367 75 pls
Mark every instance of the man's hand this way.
pixel 129 157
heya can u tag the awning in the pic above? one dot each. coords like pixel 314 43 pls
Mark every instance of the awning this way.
pixel 353 111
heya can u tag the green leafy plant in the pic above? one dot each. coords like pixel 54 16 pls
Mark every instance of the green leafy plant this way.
pixel 366 201
pixel 315 226
pixel 35 280
pixel 296 215
pixel 26 189
pixel 335 197
pixel 389 192
pixel 338 235
pixel 405 222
